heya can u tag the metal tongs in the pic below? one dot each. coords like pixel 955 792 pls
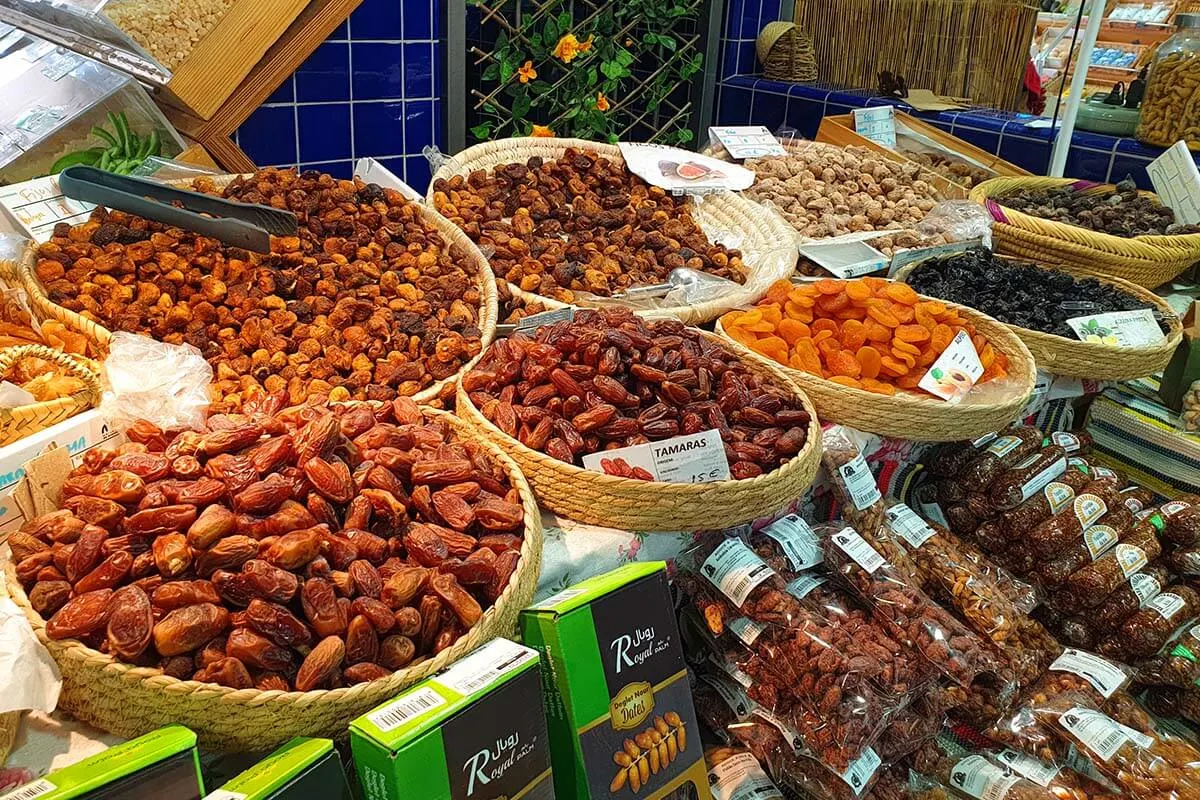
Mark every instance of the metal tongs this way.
pixel 679 278
pixel 247 225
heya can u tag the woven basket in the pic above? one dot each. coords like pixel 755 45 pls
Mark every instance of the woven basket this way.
pixel 452 234
pixel 1101 362
pixel 129 701
pixel 786 53
pixel 1148 261
pixel 915 417
pixel 21 421
pixel 760 231
pixel 653 506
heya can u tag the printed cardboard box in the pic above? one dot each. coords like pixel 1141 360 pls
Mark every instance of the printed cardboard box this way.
pixel 616 689
pixel 302 769
pixel 474 730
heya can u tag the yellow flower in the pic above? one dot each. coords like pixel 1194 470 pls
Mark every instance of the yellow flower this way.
pixel 526 73
pixel 602 103
pixel 541 130
pixel 568 47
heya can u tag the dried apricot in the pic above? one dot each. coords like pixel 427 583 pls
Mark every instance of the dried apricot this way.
pixel 809 357
pixel 877 332
pixel 879 387
pixel 987 355
pixel 890 365
pixel 773 347
pixel 902 293
pixel 858 290
pixel 778 292
pixel 828 286
pixel 883 316
pixel 829 344
pixel 854 334
pixel 798 312
pixel 772 314
pixel 843 363
pixel 792 330
pixel 904 313
pixel 868 359
pixel 825 325
pixel 845 381
pixel 941 337
pixel 905 347
pixel 832 303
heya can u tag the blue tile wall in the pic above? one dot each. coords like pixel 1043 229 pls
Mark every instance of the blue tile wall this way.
pixel 373 88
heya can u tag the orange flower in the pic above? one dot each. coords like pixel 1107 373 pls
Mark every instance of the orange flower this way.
pixel 526 73
pixel 569 47
pixel 602 103
pixel 541 130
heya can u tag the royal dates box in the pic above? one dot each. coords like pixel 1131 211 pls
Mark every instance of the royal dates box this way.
pixel 302 769
pixel 615 685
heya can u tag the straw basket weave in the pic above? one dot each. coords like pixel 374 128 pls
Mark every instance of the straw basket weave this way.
pixel 1102 362
pixel 786 53
pixel 916 417
pixel 654 506
pixel 1148 261
pixel 450 233
pixel 759 230
pixel 21 421
pixel 129 701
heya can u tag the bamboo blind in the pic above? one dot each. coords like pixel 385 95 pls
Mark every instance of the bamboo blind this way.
pixel 960 48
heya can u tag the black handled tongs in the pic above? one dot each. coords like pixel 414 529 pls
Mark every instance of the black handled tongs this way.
pixel 247 225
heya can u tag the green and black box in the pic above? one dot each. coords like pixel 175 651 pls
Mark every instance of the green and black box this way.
pixel 475 731
pixel 162 765
pixel 618 702
pixel 303 769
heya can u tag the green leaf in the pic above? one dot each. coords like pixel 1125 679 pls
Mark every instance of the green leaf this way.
pixel 686 135
pixel 592 77
pixel 649 38
pixel 668 42
pixel 550 32
pixel 492 71
pixel 536 39
pixel 624 58
pixel 482 131
pixel 564 21
pixel 540 87
pixel 501 40
pixel 520 106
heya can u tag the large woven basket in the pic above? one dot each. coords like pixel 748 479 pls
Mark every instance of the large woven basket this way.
pixel 654 506
pixel 1102 362
pixel 452 234
pixel 1148 261
pixel 786 53
pixel 767 242
pixel 21 421
pixel 915 417
pixel 130 701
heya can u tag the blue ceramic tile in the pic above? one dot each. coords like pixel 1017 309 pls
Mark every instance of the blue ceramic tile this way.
pixel 377 19
pixel 768 85
pixel 377 71
pixel 418 70
pixel 269 135
pixel 417 173
pixel 747 59
pixel 1123 165
pixel 1088 164
pixel 751 19
pixel 418 18
pixel 1093 141
pixel 325 75
pixel 1133 147
pixel 324 131
pixel 338 169
pixel 804 115
pixel 439 14
pixel 735 106
pixel 341 32
pixel 1019 128
pixel 768 109
pixel 728 59
pixel 986 140
pixel 847 99
pixel 808 92
pixel 770 12
pixel 394 165
pixel 1030 154
pixel 987 122
pixel 378 129
pixel 284 94
pixel 833 109
pixel 437 69
pixel 418 126
pixel 733 19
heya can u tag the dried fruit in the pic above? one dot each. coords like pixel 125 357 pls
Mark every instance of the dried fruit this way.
pixel 130 622
pixel 186 629
pixel 321 664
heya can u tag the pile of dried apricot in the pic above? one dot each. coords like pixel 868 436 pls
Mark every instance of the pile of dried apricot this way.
pixel 867 333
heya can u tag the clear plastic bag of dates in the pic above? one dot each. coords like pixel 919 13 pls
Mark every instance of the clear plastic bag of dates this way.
pixel 1178 665
pixel 735 774
pixel 981 776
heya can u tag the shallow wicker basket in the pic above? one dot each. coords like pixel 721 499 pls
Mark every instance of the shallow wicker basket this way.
pixel 21 421
pixel 786 53
pixel 129 701
pixel 1148 261
pixel 1101 362
pixel 759 230
pixel 654 506
pixel 911 416
pixel 452 234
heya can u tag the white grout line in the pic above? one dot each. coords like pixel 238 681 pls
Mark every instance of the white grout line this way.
pixel 350 79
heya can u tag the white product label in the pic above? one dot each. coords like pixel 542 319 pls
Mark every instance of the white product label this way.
pixel 860 483
pixel 909 526
pixel 877 124
pixel 1003 446
pixel 1120 328
pixel 982 440
pixel 30 790
pixel 1174 507
pixel 679 171
pixel 955 371
pixel 932 511
pixel 859 773
pixel 1038 481
pixel 732 694
pixel 746 629
pixel 1058 495
pixel 1067 441
pixel 1102 674
pixel 485 666
pixel 853 545
pixel 1080 763
pixel 740 777
pixel 789 734
pixel 1102 472
pixel 803 584
pixel 1130 558
pixel 1099 538
pixel 1167 604
pixel 1100 734
pixel 409 707
pixel 1145 587
pixel 696 458
pixel 1088 509
pixel 799 543
pixel 732 670
pixel 535 321
pixel 1134 505
pixel 747 141
pixel 225 794
pixel 977 777
pixel 1028 767
pixel 735 569
pixel 558 598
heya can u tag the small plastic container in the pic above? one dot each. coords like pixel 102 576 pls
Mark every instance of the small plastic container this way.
pixel 1171 107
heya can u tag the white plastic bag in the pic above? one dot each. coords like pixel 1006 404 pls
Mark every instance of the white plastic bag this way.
pixel 166 384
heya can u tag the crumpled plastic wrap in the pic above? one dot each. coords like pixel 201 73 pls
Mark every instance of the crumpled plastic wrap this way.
pixel 33 681
pixel 166 384
pixel 958 221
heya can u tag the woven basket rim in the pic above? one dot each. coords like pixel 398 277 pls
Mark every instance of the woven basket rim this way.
pixel 479 633
pixel 811 442
pixel 78 366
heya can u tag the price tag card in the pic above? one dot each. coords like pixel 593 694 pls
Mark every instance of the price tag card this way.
pixel 682 172
pixel 535 321
pixel 877 124
pixel 1177 181
pixel 697 458
pixel 1120 328
pixel 902 258
pixel 747 141
pixel 38 205
pixel 955 371
pixel 845 259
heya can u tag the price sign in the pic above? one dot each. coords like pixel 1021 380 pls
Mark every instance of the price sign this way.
pixel 696 458
pixel 955 371
pixel 877 124
pixel 1120 328
pixel 747 141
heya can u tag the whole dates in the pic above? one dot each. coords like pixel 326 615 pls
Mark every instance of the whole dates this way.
pixel 368 298
pixel 609 379
pixel 579 223
pixel 303 548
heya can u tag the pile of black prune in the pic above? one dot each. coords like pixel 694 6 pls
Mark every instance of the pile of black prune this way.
pixel 1122 212
pixel 1037 298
